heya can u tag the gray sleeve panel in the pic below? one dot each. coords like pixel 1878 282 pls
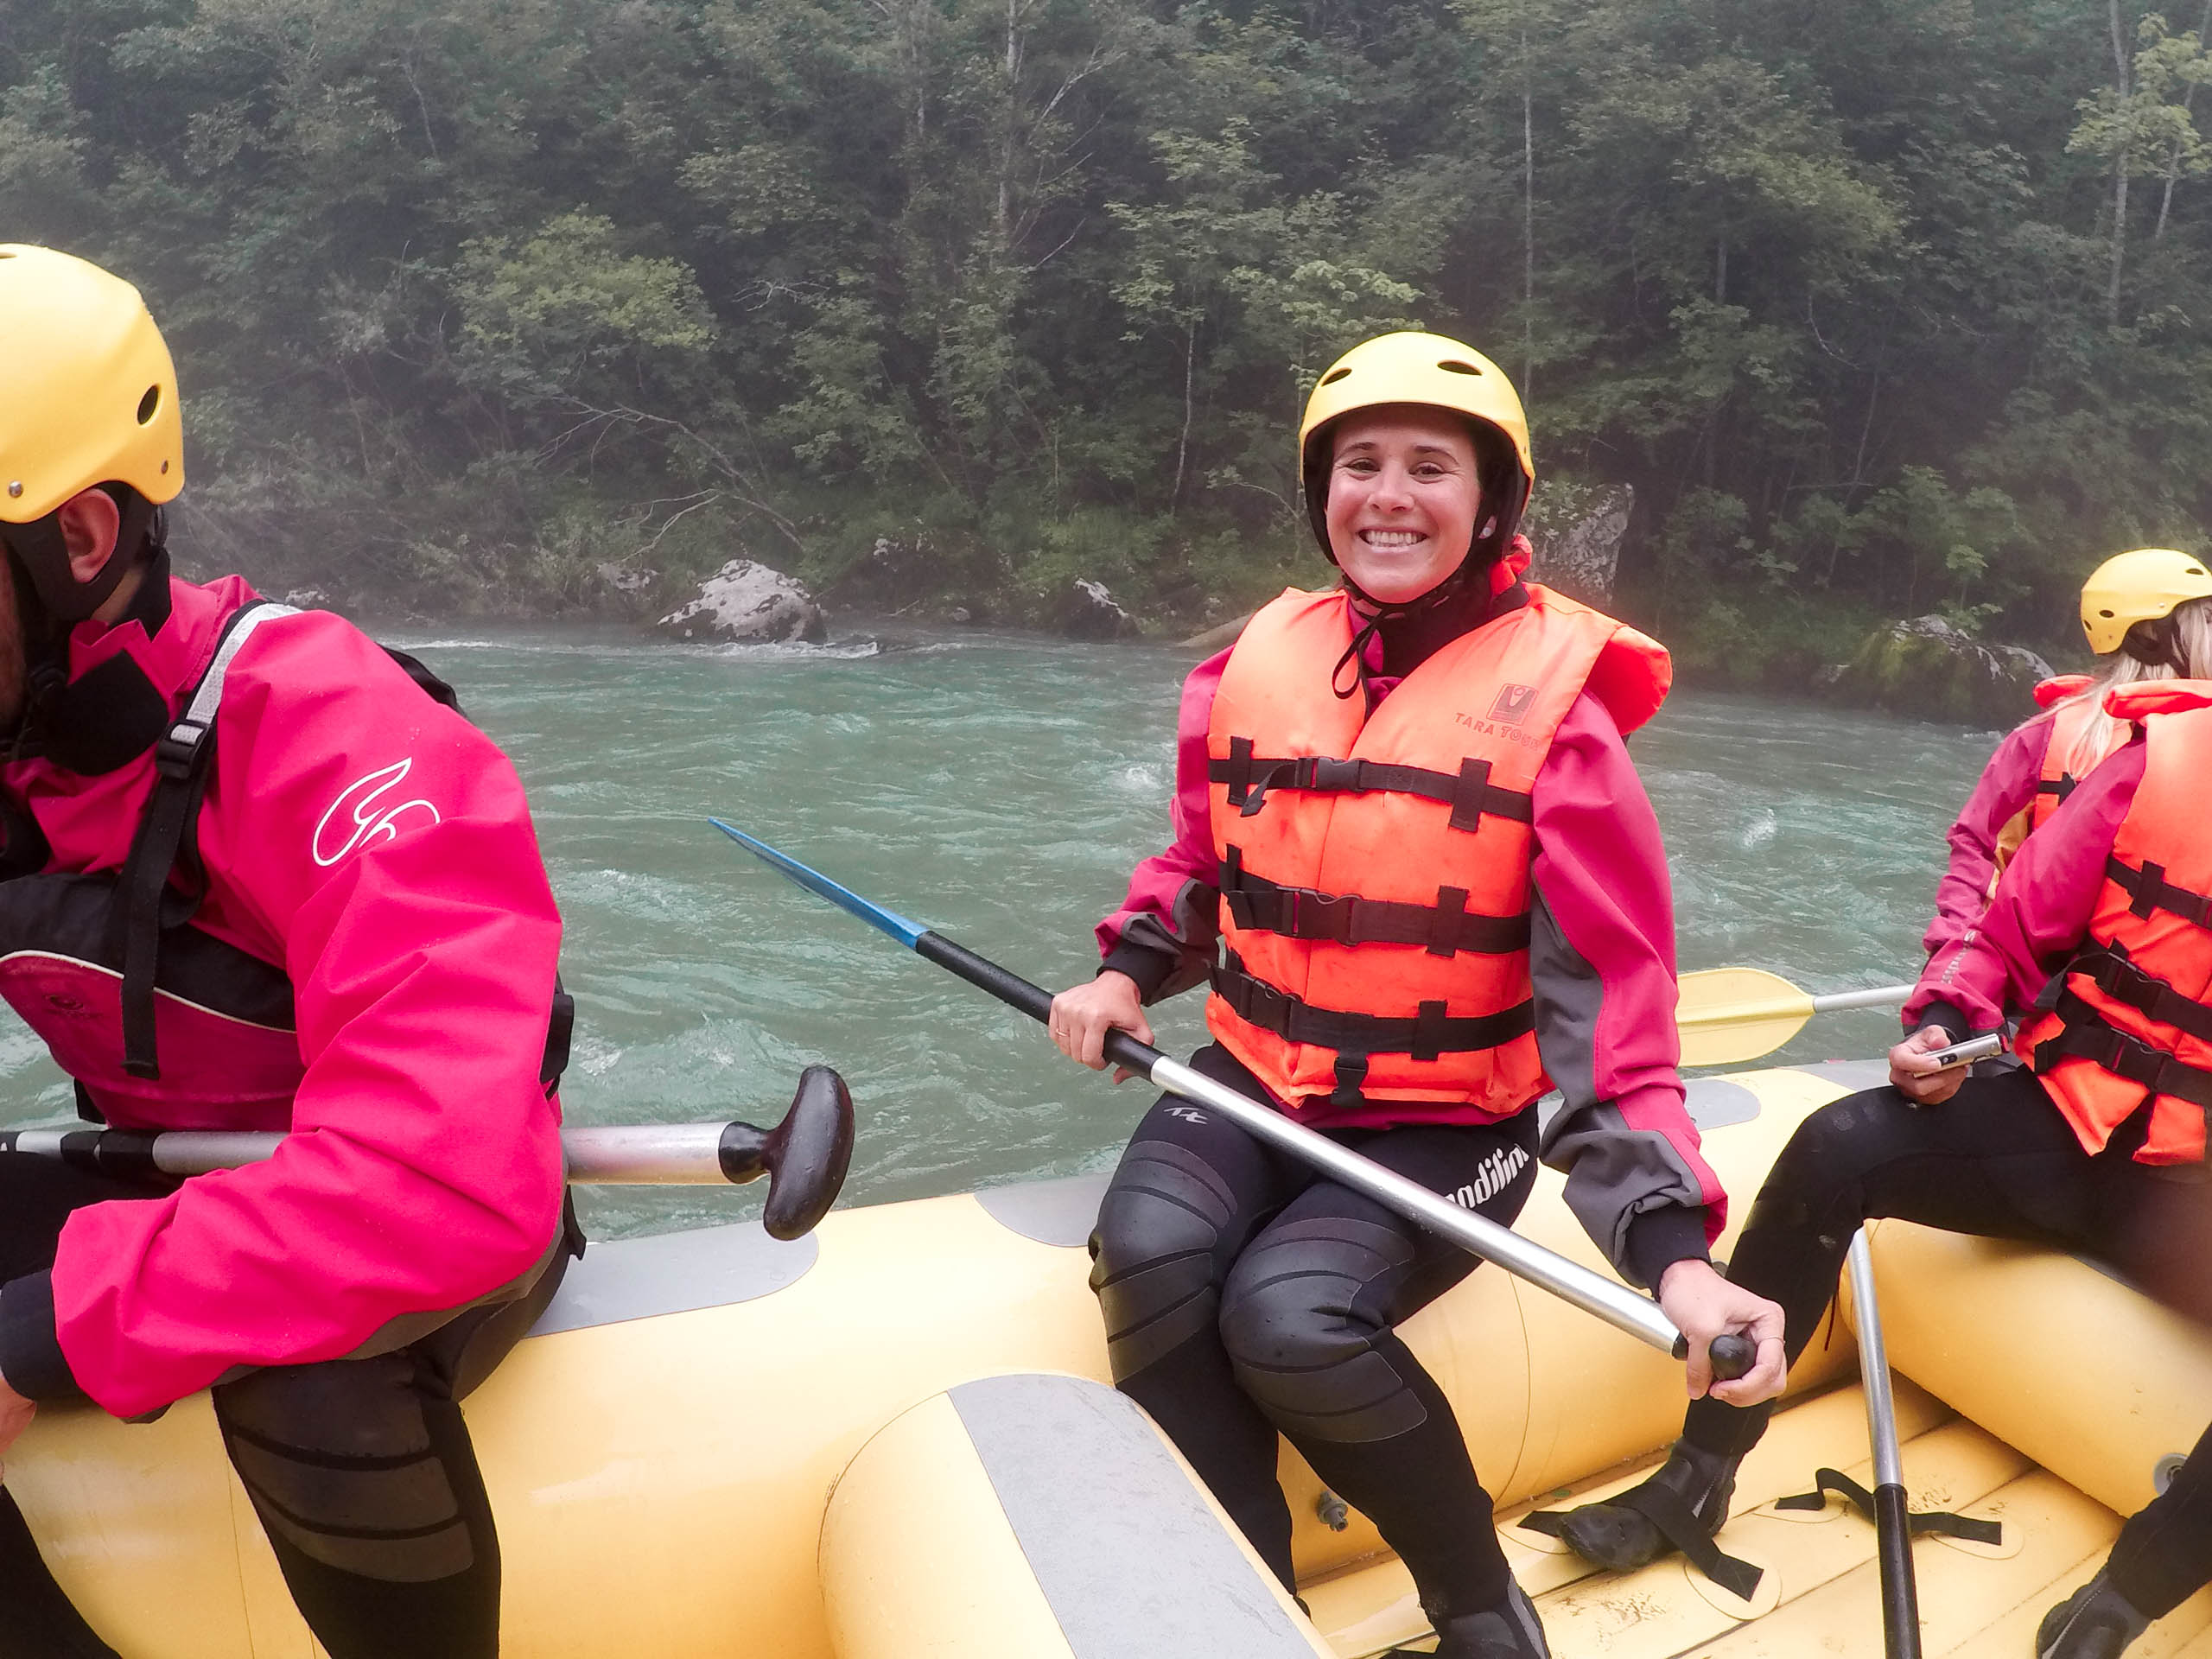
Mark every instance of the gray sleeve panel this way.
pixel 1130 1560
pixel 1187 932
pixel 675 1273
pixel 1052 1212
pixel 1613 1171
pixel 1568 995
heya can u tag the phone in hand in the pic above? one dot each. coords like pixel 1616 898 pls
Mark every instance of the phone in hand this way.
pixel 1985 1047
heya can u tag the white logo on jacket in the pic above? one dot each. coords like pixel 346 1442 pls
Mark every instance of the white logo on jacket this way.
pixel 370 820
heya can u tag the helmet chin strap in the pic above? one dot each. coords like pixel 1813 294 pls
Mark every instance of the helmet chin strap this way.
pixel 1378 612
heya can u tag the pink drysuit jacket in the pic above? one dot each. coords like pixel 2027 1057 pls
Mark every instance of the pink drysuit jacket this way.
pixel 376 848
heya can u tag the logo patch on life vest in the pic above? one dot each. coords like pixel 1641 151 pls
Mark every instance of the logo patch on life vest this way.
pixel 369 818
pixel 1512 703
pixel 1492 1178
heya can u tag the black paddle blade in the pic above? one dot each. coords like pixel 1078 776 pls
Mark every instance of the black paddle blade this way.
pixel 804 1157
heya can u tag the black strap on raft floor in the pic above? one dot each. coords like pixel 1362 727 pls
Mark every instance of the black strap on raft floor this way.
pixel 1681 1528
pixel 1941 1522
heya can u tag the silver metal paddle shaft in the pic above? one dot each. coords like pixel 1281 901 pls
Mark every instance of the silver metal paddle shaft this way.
pixel 655 1154
pixel 1874 1366
pixel 1593 1293
pixel 1880 997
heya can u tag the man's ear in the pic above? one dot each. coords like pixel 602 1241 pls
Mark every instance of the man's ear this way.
pixel 89 522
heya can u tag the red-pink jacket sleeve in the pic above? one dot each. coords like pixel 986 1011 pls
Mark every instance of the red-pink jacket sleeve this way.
pixel 2005 788
pixel 1602 959
pixel 2040 910
pixel 1163 935
pixel 384 843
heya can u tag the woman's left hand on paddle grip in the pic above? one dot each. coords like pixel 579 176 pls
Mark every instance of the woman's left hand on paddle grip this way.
pixel 1703 1305
pixel 1082 1016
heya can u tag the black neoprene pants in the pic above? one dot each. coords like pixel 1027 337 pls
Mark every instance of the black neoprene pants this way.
pixel 361 1471
pixel 1997 1161
pixel 1244 1294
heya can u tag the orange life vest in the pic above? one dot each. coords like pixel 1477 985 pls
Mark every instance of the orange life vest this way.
pixel 2129 1019
pixel 2056 782
pixel 1374 868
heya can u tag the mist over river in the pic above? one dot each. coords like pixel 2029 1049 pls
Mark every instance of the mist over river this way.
pixel 1000 789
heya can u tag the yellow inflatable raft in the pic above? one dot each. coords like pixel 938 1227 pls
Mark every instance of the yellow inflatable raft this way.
pixel 892 1438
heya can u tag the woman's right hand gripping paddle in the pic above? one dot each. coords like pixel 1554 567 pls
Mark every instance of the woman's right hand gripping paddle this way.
pixel 1082 1017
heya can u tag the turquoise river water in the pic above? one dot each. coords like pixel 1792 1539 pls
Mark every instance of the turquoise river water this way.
pixel 999 790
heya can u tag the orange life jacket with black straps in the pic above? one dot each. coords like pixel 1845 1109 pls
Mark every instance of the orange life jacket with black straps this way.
pixel 2129 1019
pixel 1374 865
pixel 2058 778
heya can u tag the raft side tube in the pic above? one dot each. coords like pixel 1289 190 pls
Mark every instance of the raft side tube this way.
pixel 2080 1370
pixel 1040 1516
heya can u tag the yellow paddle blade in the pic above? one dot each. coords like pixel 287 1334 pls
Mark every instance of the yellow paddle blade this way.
pixel 1728 1016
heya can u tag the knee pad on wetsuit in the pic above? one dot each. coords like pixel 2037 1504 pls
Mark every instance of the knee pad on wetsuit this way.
pixel 341 1462
pixel 1152 1255
pixel 1302 1350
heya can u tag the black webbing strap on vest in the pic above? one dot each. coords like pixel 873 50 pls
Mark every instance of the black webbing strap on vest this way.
pixel 2151 892
pixel 1427 1035
pixel 2110 969
pixel 1443 928
pixel 1666 1510
pixel 180 766
pixel 1469 791
pixel 1942 1523
pixel 2084 1034
pixel 2062 786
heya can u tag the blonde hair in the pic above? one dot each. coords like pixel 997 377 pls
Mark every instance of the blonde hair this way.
pixel 2191 625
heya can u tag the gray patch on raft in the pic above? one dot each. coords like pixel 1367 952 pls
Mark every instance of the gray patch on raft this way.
pixel 676 1273
pixel 1131 1561
pixel 1715 1102
pixel 1052 1212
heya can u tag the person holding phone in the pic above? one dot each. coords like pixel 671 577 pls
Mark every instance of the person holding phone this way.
pixel 2098 940
pixel 2043 759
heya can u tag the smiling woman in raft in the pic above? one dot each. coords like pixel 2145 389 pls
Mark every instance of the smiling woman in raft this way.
pixel 1404 807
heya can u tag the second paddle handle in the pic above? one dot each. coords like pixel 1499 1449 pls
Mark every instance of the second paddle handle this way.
pixel 1734 1354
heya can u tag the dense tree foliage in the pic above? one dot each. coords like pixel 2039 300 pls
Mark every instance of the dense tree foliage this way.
pixel 1881 305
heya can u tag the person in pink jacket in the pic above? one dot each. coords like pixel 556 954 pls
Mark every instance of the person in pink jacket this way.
pixel 2043 759
pixel 255 876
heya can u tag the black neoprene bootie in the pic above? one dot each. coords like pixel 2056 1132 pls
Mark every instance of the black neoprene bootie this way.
pixel 2096 1622
pixel 1693 1485
pixel 1509 1631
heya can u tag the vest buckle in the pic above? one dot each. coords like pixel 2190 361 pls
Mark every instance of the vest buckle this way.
pixel 1321 916
pixel 179 748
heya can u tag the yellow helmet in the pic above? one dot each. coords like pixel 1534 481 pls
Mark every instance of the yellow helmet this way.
pixel 87 397
pixel 2137 587
pixel 1433 370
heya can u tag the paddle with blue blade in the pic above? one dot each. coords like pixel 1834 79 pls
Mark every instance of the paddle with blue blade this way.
pixel 1731 1355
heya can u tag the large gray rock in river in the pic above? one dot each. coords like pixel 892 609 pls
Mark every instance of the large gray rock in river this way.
pixel 1931 670
pixel 750 604
pixel 1579 561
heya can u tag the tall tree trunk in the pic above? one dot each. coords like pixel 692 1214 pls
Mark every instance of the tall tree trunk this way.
pixel 1009 140
pixel 2173 161
pixel 2121 71
pixel 1183 441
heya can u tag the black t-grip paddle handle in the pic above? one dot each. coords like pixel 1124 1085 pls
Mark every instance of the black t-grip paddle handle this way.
pixel 1733 1354
pixel 804 1157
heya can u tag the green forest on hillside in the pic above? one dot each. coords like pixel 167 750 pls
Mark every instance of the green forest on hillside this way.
pixel 1882 306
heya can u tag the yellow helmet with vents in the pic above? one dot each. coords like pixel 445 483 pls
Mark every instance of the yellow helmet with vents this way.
pixel 2138 586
